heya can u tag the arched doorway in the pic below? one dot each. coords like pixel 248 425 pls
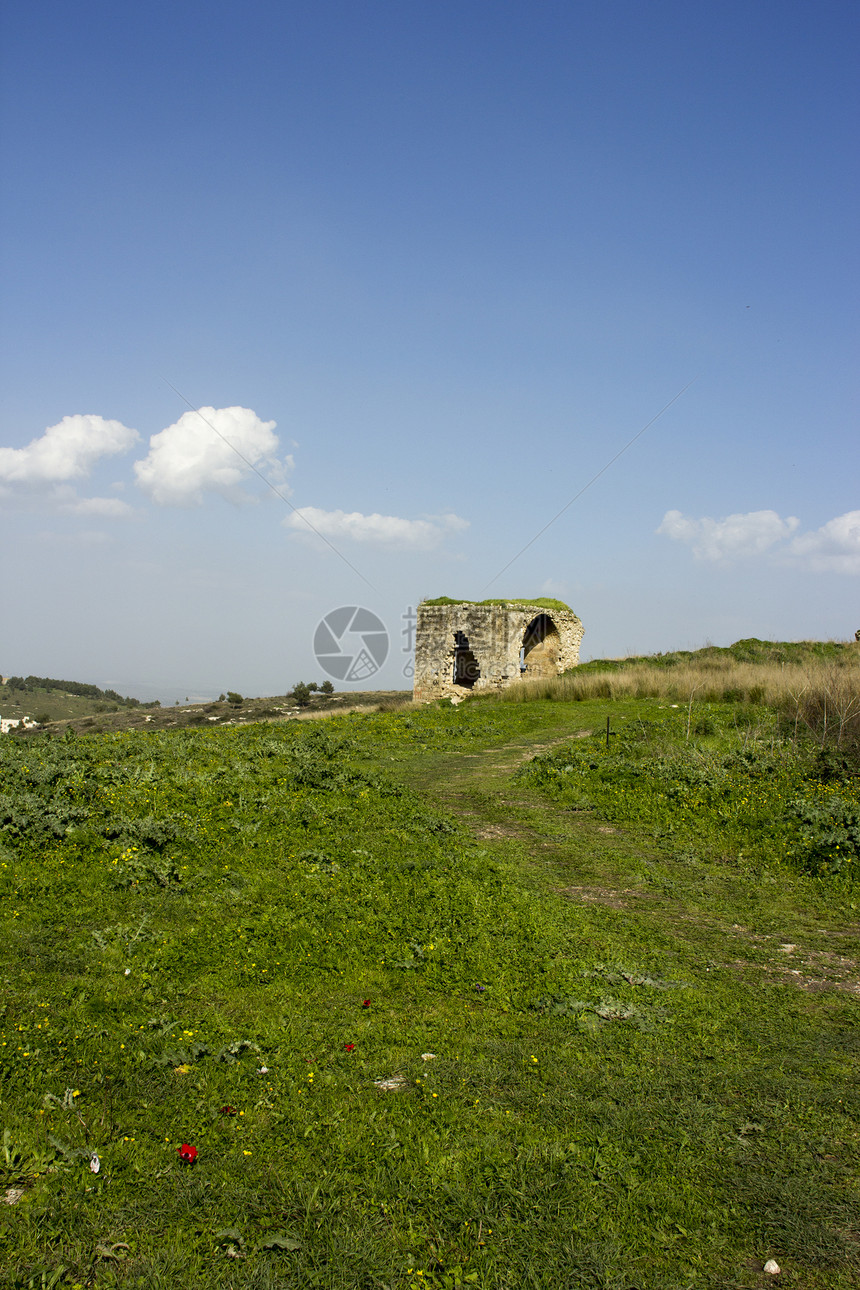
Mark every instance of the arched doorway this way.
pixel 541 647
pixel 466 669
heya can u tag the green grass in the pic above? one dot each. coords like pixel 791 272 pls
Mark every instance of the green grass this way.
pixel 722 783
pixel 630 1086
pixel 542 602
pixel 750 650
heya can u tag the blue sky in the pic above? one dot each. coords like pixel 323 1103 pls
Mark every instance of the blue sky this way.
pixel 442 262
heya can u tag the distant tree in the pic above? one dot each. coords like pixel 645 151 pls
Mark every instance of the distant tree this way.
pixel 43 718
pixel 234 699
pixel 326 688
pixel 221 698
pixel 312 685
pixel 302 694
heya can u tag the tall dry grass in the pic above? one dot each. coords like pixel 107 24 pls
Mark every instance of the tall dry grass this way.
pixel 818 697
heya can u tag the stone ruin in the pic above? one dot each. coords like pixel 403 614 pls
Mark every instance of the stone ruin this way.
pixel 465 645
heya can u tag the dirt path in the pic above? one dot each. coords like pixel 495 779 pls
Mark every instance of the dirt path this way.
pixel 736 922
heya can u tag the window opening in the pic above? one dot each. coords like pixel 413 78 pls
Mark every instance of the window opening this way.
pixel 466 669
pixel 541 647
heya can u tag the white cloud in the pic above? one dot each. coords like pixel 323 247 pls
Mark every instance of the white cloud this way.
pixel 834 548
pixel 68 450
pixel 190 458
pixel 380 530
pixel 110 507
pixel 732 538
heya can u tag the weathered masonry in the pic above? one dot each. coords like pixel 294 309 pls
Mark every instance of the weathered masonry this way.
pixel 467 646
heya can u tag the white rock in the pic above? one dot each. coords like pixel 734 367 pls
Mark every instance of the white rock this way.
pixel 772 1268
pixel 95 1163
pixel 428 1057
pixel 390 1085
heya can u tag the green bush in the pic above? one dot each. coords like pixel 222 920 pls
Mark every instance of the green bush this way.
pixel 829 836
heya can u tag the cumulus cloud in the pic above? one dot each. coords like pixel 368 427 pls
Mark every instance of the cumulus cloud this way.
pixel 68 450
pixel 379 530
pixel 191 458
pixel 732 538
pixel 834 548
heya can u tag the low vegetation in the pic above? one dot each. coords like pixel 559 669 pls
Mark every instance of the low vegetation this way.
pixel 229 709
pixel 543 602
pixel 494 996
pixel 814 685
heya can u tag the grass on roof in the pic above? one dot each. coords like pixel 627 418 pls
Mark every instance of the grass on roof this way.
pixel 541 602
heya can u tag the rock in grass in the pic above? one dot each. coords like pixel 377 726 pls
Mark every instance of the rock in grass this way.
pixel 390 1085
pixel 772 1267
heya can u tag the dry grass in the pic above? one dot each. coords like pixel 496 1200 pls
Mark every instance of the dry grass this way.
pixel 818 696
pixel 710 681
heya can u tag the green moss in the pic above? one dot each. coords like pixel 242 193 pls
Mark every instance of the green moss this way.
pixel 541 602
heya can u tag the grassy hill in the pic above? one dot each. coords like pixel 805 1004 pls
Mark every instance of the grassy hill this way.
pixel 750 650
pixel 57 708
pixel 450 997
pixel 44 699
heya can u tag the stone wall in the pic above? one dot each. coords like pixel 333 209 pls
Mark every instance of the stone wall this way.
pixel 469 646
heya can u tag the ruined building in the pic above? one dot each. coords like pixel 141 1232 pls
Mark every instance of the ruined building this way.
pixel 465 645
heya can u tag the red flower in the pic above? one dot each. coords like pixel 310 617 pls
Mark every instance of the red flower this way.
pixel 366 1003
pixel 187 1154
pixel 349 1047
pixel 228 1110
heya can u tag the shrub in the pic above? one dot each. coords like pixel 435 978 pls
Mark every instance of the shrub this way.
pixel 234 699
pixel 828 707
pixel 830 835
pixel 302 694
pixel 326 688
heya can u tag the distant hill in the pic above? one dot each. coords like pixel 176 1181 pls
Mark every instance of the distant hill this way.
pixel 57 710
pixel 44 699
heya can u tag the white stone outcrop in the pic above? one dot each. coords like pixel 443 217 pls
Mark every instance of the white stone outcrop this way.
pixel 11 723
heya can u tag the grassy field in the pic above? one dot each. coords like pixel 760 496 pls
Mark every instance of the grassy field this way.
pixel 439 997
